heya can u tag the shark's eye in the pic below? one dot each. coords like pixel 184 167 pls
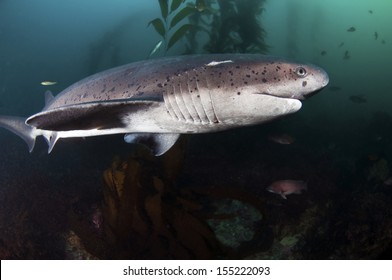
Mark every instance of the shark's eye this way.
pixel 300 71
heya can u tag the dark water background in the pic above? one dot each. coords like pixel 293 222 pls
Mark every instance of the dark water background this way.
pixel 342 146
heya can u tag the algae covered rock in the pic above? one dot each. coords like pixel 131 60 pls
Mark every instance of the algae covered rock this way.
pixel 289 241
pixel 239 225
pixel 378 171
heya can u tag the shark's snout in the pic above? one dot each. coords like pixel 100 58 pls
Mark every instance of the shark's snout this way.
pixel 321 76
pixel 320 81
pixel 325 78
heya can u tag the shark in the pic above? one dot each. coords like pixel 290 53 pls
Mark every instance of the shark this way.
pixel 153 102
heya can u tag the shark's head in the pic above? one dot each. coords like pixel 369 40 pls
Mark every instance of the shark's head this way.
pixel 266 88
pixel 290 80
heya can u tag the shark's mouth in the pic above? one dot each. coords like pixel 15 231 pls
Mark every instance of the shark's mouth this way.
pixel 288 96
pixel 310 94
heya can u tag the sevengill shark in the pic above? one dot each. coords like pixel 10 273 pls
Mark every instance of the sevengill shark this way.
pixel 154 101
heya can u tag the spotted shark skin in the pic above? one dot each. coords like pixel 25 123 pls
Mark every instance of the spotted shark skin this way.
pixel 172 96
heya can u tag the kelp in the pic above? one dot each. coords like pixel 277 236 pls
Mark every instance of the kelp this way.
pixel 231 26
pixel 145 217
pixel 237 28
pixel 166 25
pixel 104 52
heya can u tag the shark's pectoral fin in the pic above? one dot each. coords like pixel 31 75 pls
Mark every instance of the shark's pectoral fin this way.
pixel 18 126
pixel 158 143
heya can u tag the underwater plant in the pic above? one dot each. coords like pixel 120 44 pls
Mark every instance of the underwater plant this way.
pixel 237 28
pixel 145 217
pixel 200 22
pixel 232 26
pixel 104 52
pixel 167 24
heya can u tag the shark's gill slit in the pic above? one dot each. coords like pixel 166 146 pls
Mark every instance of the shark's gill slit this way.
pixel 185 110
pixel 197 118
pixel 173 102
pixel 197 102
pixel 178 102
pixel 200 95
pixel 215 117
pixel 207 104
pixel 188 99
pixel 168 106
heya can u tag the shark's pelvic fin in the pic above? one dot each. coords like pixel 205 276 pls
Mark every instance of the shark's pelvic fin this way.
pixel 158 143
pixel 18 126
pixel 51 139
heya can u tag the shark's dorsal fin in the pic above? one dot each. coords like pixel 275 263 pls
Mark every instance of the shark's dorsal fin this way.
pixel 158 143
pixel 48 98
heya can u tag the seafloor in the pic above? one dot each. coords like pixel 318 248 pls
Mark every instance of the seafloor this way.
pixel 100 198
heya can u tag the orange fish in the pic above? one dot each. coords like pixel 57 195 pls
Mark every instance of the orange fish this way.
pixel 286 187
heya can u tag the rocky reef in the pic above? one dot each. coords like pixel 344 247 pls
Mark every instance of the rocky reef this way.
pixel 188 204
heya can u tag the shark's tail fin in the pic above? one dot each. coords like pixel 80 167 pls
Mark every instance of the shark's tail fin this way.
pixel 18 126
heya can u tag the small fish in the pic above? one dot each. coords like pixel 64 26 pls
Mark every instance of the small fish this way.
pixel 323 53
pixel 351 29
pixel 388 181
pixel 200 5
pixel 156 48
pixel 358 99
pixel 346 55
pixel 341 45
pixel 375 35
pixel 284 139
pixel 286 187
pixel 48 83
pixel 370 11
pixel 334 88
pixel 383 42
pixel 215 63
pixel 97 218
